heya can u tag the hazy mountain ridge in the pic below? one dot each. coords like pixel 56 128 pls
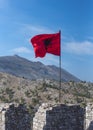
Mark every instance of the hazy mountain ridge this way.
pixel 22 67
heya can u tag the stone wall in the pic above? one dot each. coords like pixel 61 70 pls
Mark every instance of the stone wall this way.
pixel 48 117
pixel 3 108
pixel 59 117
pixel 89 117
pixel 14 117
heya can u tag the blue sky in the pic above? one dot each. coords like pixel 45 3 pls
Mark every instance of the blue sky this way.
pixel 22 19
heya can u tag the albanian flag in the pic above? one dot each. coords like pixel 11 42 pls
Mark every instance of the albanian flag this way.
pixel 46 43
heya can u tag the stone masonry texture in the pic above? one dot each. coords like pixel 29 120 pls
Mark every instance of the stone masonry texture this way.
pixel 48 117
pixel 59 117
pixel 14 117
pixel 89 116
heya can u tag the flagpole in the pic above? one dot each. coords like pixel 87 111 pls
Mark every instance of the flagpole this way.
pixel 60 70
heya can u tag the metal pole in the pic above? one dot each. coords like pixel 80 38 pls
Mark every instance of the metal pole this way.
pixel 60 71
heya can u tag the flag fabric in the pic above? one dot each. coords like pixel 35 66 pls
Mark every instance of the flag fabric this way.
pixel 46 43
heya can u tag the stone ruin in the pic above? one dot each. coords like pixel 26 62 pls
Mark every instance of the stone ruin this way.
pixel 14 117
pixel 48 117
pixel 59 117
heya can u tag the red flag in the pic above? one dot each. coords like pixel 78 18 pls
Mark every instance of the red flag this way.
pixel 46 43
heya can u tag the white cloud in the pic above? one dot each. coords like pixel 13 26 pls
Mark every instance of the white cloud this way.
pixel 30 30
pixel 80 48
pixel 49 59
pixel 37 29
pixel 21 50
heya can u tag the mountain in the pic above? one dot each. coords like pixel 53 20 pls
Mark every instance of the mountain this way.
pixel 22 67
